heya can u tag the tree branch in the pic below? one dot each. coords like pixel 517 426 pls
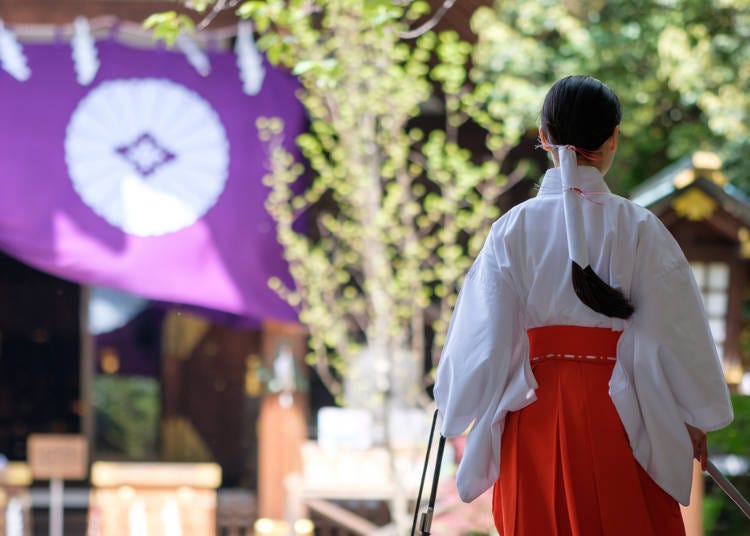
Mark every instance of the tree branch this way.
pixel 218 7
pixel 431 23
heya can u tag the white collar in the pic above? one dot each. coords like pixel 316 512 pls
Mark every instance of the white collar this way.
pixel 590 180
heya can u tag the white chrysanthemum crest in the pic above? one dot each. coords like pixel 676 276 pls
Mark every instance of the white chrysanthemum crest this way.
pixel 85 57
pixel 11 55
pixel 195 56
pixel 249 60
pixel 133 168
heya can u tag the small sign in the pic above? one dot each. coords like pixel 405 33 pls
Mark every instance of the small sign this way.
pixel 58 456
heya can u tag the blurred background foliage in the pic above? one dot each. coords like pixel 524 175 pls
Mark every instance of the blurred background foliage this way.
pixel 720 515
pixel 127 411
pixel 734 439
pixel 680 67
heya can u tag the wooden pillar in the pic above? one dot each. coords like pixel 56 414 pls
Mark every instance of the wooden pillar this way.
pixel 732 358
pixel 170 392
pixel 281 431
pixel 87 372
pixel 282 427
pixel 251 406
pixel 692 515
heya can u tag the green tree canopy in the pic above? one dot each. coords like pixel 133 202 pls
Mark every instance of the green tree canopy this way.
pixel 680 68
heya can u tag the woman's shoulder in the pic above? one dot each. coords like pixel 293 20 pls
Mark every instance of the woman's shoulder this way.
pixel 648 223
pixel 638 217
pixel 655 244
pixel 509 218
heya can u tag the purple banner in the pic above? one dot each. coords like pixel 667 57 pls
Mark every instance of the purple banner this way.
pixel 147 180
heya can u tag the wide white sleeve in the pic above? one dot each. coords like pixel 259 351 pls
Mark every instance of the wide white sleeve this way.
pixel 481 348
pixel 670 312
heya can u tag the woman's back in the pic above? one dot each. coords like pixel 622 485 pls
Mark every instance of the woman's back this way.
pixel 579 342
pixel 521 280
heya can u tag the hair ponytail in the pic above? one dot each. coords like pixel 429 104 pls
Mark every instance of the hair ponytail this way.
pixel 582 112
pixel 598 295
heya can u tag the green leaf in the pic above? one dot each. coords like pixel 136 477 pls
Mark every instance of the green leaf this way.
pixel 417 9
pixel 262 23
pixel 304 66
pixel 248 10
pixel 200 5
pixel 273 54
pixel 168 25
pixel 158 19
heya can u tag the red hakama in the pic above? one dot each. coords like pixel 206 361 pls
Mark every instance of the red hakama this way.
pixel 567 468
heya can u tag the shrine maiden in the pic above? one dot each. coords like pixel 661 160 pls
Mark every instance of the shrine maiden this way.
pixel 579 351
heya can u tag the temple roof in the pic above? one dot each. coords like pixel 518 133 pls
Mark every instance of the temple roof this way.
pixel 686 185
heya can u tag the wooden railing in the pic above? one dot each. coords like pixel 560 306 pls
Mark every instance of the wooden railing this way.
pixel 236 515
pixel 332 520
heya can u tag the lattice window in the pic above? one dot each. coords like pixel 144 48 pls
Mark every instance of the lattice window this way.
pixel 713 281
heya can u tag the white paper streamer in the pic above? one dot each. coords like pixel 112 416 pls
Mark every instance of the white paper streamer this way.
pixel 14 517
pixel 195 56
pixel 85 57
pixel 572 207
pixel 11 55
pixel 249 60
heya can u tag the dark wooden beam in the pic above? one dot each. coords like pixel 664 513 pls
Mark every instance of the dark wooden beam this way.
pixel 65 11
pixel 14 12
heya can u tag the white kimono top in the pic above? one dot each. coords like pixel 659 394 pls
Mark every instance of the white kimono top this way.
pixel 667 371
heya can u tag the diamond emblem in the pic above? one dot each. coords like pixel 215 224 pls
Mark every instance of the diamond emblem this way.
pixel 145 154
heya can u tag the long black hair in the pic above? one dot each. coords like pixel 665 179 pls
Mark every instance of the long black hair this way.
pixel 583 112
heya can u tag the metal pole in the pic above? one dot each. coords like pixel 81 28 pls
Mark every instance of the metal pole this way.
pixel 728 488
pixel 424 474
pixel 56 507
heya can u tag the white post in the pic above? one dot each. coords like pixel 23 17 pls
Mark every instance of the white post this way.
pixel 170 518
pixel 56 507
pixel 137 519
